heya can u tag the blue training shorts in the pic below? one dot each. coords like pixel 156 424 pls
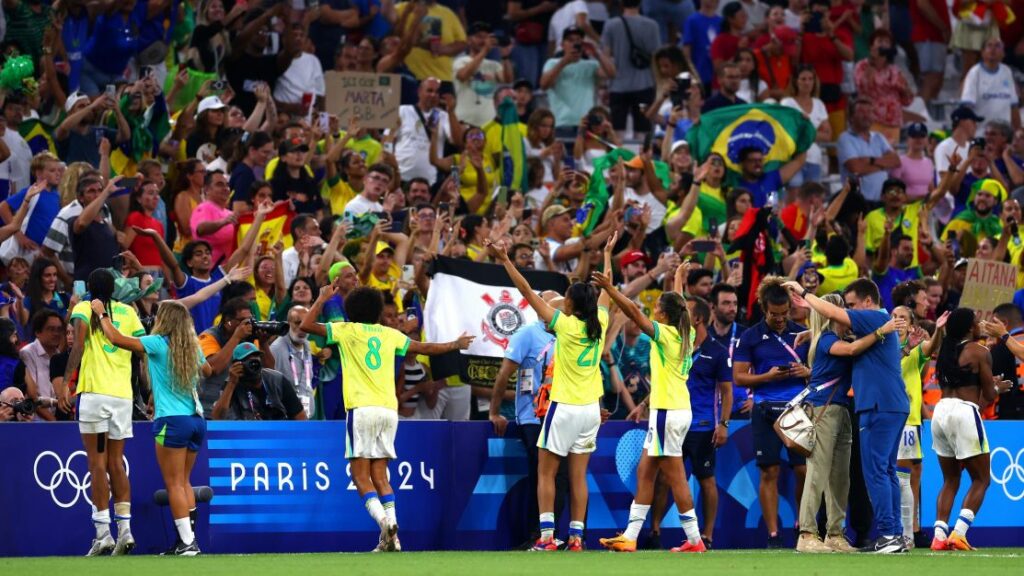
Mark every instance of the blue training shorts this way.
pixel 180 432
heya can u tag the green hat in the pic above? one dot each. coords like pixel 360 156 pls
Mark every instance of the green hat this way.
pixel 336 269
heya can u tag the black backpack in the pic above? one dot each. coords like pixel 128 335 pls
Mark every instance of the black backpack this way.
pixel 638 57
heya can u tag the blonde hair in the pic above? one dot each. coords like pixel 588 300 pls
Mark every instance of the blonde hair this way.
pixel 69 181
pixel 819 323
pixel 174 321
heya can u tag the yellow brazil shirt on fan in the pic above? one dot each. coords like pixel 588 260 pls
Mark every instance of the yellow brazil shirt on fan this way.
pixel 388 284
pixel 439 26
pixel 469 176
pixel 836 278
pixel 107 369
pixel 670 368
pixel 909 220
pixel 912 364
pixel 1015 247
pixel 577 378
pixel 368 362
pixel 337 193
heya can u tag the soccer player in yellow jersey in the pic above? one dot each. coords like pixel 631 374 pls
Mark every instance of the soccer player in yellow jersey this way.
pixel 574 415
pixel 104 408
pixel 367 356
pixel 672 345
pixel 917 348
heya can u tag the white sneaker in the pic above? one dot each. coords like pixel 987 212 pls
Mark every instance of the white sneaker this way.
pixel 397 545
pixel 125 544
pixel 101 546
pixel 381 546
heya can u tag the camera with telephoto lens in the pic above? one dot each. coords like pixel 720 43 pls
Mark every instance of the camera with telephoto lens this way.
pixel 269 328
pixel 251 367
pixel 25 407
pixel 978 143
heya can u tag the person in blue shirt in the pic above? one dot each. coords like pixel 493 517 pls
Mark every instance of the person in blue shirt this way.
pixel 529 353
pixel 762 184
pixel 46 169
pixel 828 466
pixel 113 43
pixel 711 401
pixel 768 362
pixel 881 403
pixel 698 33
pixel 893 265
pixel 175 366
pixel 724 329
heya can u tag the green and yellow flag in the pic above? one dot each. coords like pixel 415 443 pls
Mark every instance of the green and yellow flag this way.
pixel 778 131
pixel 596 199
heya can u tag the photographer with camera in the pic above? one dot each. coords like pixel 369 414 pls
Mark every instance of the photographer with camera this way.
pixel 253 392
pixel 219 342
pixel 14 407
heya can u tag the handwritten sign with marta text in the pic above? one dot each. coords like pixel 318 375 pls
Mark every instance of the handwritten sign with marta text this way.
pixel 374 98
pixel 987 285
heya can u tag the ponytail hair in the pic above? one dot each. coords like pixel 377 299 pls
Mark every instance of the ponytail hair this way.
pixel 673 306
pixel 584 306
pixel 101 287
pixel 818 323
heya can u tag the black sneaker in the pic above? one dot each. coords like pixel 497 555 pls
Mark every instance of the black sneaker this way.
pixel 183 549
pixel 653 541
pixel 170 551
pixel 883 545
pixel 775 542
pixel 706 541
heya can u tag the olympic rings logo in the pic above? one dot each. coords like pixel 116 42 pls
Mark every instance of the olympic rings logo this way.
pixel 1014 470
pixel 79 485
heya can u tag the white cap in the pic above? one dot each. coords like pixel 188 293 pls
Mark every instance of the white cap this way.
pixel 210 103
pixel 73 99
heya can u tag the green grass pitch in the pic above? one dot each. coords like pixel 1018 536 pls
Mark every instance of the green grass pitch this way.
pixel 994 561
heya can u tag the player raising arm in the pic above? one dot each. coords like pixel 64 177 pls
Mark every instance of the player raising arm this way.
pixel 571 423
pixel 368 352
pixel 672 344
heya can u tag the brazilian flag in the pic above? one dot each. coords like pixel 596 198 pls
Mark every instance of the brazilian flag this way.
pixel 777 131
pixel 596 199
pixel 39 136
pixel 513 147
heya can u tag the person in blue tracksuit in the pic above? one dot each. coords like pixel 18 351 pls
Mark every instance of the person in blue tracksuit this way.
pixel 881 403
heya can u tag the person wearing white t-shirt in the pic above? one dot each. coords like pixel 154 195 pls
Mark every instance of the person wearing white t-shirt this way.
pixel 572 14
pixel 305 235
pixel 414 139
pixel 304 75
pixel 989 87
pixel 376 184
pixel 477 78
pixel 814 110
pixel 639 192
pixel 965 126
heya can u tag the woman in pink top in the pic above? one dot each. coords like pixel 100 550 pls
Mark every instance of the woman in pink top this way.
pixel 881 81
pixel 916 169
pixel 212 220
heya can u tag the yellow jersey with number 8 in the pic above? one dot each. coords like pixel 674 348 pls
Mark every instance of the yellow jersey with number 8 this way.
pixel 577 378
pixel 368 362
pixel 105 368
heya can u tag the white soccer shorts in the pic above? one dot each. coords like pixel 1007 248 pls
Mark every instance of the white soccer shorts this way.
pixel 370 433
pixel 570 428
pixel 99 413
pixel 910 443
pixel 957 431
pixel 666 431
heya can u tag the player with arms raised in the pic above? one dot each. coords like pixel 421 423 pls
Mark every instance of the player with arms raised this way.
pixel 368 352
pixel 672 344
pixel 571 423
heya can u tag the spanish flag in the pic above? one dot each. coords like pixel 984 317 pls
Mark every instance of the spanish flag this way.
pixel 777 131
pixel 276 227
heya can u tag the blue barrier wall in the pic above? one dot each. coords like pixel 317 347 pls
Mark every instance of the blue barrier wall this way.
pixel 285 487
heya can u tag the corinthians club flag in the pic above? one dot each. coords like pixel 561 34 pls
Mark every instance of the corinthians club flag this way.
pixel 481 300
pixel 777 131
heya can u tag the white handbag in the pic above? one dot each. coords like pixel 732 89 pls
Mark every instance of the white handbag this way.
pixel 795 426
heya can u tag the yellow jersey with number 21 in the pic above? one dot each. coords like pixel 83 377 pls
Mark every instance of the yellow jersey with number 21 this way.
pixel 107 369
pixel 577 377
pixel 368 362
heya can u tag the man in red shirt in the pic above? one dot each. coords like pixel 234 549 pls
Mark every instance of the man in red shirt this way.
pixel 825 48
pixel 810 198
pixel 930 32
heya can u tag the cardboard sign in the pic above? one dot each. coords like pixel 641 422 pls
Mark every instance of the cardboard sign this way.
pixel 374 98
pixel 988 285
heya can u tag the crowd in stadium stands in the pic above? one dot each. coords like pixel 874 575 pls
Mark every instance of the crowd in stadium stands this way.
pixel 188 144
